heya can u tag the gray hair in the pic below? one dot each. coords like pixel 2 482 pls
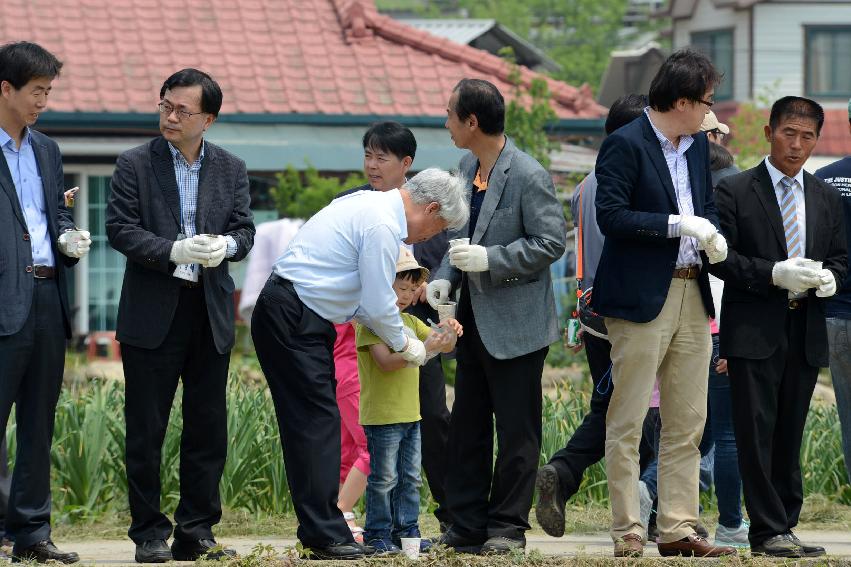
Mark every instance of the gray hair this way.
pixel 434 185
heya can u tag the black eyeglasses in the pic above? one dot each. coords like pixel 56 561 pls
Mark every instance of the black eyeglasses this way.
pixel 717 132
pixel 708 103
pixel 167 109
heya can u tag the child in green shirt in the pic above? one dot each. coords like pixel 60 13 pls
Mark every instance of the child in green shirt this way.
pixel 390 416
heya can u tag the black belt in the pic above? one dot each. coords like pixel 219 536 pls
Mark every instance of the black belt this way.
pixel 275 278
pixel 42 272
pixel 797 303
pixel 190 284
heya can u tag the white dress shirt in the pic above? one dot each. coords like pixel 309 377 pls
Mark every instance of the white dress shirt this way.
pixel 342 262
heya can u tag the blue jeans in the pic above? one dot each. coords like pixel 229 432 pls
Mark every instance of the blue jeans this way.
pixel 839 340
pixel 393 485
pixel 728 483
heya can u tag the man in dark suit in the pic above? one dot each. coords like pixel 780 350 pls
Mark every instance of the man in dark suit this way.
pixel 506 304
pixel 35 319
pixel 389 150
pixel 655 207
pixel 778 219
pixel 178 208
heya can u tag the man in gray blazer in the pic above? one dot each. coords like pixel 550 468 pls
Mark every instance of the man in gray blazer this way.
pixel 516 230
pixel 178 208
pixel 35 319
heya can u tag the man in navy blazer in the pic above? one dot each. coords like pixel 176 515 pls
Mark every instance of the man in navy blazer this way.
pixel 655 207
pixel 35 319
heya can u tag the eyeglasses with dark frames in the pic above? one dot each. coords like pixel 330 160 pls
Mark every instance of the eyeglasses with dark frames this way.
pixel 167 109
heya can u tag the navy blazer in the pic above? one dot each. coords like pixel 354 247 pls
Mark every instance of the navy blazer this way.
pixel 635 196
pixel 16 282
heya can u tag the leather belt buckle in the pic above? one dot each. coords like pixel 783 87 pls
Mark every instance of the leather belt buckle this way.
pixel 687 273
pixel 42 272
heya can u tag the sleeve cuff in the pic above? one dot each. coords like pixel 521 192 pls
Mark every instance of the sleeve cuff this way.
pixel 674 229
pixel 232 246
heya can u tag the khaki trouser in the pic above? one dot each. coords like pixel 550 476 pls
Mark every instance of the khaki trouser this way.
pixel 677 346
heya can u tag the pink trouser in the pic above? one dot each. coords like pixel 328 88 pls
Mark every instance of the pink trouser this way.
pixel 353 452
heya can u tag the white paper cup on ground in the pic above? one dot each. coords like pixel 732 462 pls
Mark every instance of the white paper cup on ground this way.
pixel 446 310
pixel 813 265
pixel 456 241
pixel 411 547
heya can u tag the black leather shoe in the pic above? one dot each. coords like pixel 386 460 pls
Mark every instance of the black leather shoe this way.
pixel 461 544
pixel 42 552
pixel 153 551
pixel 499 545
pixel 550 507
pixel 778 546
pixel 337 552
pixel 809 550
pixel 190 550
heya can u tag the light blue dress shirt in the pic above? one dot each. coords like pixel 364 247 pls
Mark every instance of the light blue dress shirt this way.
pixel 27 179
pixel 342 262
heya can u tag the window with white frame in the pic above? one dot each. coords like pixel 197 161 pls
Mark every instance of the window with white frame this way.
pixel 718 46
pixel 828 61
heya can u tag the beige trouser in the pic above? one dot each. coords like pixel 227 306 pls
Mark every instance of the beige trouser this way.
pixel 676 346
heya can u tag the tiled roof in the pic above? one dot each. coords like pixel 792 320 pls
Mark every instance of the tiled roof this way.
pixel 835 139
pixel 270 56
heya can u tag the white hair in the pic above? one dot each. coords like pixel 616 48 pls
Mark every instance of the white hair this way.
pixel 434 185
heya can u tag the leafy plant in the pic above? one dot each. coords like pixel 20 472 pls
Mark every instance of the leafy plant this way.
pixel 528 114
pixel 747 127
pixel 302 194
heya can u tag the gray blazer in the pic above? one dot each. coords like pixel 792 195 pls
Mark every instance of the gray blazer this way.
pixel 16 282
pixel 142 222
pixel 521 223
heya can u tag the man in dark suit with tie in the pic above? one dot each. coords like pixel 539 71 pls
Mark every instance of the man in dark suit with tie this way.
pixel 179 207
pixel 655 207
pixel 35 319
pixel 778 219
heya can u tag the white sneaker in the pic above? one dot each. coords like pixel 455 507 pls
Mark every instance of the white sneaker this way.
pixel 645 506
pixel 733 537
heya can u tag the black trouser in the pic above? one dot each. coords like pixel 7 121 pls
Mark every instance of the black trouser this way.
pixel 434 427
pixel 587 445
pixel 31 365
pixel 295 347
pixel 486 500
pixel 5 485
pixel 151 376
pixel 771 398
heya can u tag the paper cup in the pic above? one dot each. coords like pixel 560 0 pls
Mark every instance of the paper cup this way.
pixel 74 237
pixel 446 310
pixel 411 547
pixel 813 265
pixel 456 241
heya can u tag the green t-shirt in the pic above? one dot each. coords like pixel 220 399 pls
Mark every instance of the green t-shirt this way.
pixel 388 397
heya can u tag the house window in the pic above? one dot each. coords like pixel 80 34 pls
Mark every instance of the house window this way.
pixel 828 73
pixel 718 46
pixel 106 266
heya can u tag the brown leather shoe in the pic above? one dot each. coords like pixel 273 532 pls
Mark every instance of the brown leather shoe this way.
pixel 630 545
pixel 694 546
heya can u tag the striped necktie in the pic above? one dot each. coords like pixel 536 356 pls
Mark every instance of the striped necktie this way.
pixel 789 213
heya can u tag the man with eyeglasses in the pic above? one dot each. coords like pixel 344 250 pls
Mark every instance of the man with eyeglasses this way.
pixel 179 211
pixel 655 207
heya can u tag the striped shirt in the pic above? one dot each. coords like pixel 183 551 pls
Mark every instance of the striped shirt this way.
pixel 678 168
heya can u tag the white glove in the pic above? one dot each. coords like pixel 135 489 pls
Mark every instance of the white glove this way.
pixel 469 257
pixel 716 248
pixel 415 352
pixel 409 332
pixel 218 249
pixel 792 275
pixel 190 251
pixel 697 227
pixel 437 292
pixel 828 284
pixel 76 249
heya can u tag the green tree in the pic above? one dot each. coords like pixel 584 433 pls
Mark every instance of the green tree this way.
pixel 303 194
pixel 747 128
pixel 528 114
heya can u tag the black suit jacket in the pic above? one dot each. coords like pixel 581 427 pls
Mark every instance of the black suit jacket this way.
pixel 635 196
pixel 143 221
pixel 16 283
pixel 753 310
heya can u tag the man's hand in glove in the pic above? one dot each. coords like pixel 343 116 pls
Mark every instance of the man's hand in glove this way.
pixel 195 250
pixel 76 249
pixel 828 284
pixel 437 292
pixel 469 257
pixel 716 248
pixel 218 249
pixel 414 352
pixel 697 227
pixel 792 275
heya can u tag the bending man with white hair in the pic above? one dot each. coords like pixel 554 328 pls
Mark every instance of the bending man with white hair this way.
pixel 340 266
